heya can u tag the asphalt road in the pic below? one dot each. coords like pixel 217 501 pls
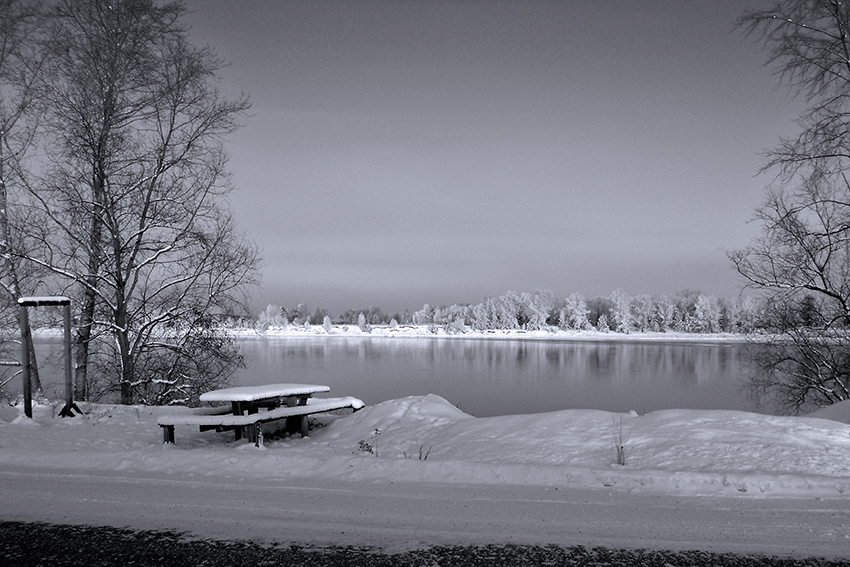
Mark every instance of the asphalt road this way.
pixel 400 517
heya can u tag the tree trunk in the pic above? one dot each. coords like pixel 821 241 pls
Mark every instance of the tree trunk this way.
pixel 84 330
pixel 9 274
pixel 81 384
pixel 126 357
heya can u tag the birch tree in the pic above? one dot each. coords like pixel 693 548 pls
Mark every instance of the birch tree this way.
pixel 132 200
pixel 804 249
pixel 19 66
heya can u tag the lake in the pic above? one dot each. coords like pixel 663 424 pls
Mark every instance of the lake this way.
pixel 486 377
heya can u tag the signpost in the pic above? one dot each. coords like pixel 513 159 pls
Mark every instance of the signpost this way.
pixel 58 301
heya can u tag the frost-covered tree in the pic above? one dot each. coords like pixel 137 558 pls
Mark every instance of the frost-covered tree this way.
pixel 602 324
pixel 744 315
pixel 575 313
pixel 666 313
pixel 424 316
pixel 481 317
pixel 621 311
pixel 363 324
pixel 643 313
pixel 539 306
pixel 298 314
pixel 707 314
pixel 271 316
pixel 459 314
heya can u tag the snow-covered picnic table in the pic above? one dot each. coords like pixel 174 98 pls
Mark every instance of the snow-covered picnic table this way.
pixel 251 398
pixel 296 400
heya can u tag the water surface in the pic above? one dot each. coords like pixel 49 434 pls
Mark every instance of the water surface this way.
pixel 486 377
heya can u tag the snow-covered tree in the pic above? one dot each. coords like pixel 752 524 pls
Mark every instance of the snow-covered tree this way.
pixel 621 311
pixel 271 316
pixel 744 314
pixel 707 314
pixel 643 313
pixel 363 323
pixel 602 324
pixel 575 313
pixel 424 316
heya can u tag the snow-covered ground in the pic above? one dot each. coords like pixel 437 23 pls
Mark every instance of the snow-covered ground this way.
pixel 418 471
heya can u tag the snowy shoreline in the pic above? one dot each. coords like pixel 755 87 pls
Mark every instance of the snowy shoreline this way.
pixel 549 334
pixel 417 471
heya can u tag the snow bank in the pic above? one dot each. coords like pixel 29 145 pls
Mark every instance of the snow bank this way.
pixel 425 439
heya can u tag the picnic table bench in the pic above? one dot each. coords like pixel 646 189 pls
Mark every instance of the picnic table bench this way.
pixel 293 402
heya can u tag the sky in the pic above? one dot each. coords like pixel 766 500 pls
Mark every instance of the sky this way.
pixel 404 152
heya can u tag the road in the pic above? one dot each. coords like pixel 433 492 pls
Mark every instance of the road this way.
pixel 400 516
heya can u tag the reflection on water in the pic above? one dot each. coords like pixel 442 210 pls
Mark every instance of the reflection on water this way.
pixel 487 377
pixel 494 377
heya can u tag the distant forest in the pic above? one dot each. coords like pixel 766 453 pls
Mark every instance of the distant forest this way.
pixel 685 311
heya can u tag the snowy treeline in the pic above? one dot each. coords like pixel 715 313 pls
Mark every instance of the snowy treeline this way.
pixel 619 312
pixel 300 315
pixel 686 311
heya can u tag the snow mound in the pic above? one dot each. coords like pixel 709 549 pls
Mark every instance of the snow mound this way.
pixel 415 412
pixel 425 439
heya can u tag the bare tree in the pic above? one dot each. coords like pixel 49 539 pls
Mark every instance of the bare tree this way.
pixel 804 250
pixel 19 21
pixel 132 217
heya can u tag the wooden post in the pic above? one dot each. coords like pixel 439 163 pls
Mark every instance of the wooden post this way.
pixel 25 360
pixel 305 426
pixel 168 434
pixel 258 441
pixel 69 379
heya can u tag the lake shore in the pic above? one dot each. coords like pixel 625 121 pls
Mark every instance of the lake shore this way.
pixel 548 334
pixel 726 483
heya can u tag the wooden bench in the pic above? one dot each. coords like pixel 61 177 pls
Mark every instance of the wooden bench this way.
pixel 221 419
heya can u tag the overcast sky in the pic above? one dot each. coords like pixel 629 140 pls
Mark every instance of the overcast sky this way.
pixel 402 152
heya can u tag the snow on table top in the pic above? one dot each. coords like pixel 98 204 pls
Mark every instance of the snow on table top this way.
pixel 253 393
